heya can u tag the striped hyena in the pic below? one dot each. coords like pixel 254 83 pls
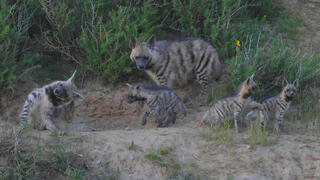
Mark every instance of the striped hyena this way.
pixel 274 108
pixel 44 105
pixel 163 102
pixel 233 105
pixel 174 63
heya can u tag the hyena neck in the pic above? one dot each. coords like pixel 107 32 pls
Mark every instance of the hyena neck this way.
pixel 158 58
pixel 244 94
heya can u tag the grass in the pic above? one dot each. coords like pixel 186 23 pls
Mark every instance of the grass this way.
pixel 25 162
pixel 165 158
pixel 257 136
pixel 224 134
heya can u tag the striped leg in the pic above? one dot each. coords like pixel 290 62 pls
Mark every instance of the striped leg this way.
pixel 237 118
pixel 145 118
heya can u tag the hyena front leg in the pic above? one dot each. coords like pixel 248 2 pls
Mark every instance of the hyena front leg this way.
pixel 48 120
pixel 237 118
pixel 145 118
pixel 279 123
pixel 171 117
pixel 262 120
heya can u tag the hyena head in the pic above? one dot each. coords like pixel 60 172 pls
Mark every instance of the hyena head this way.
pixel 60 92
pixel 248 88
pixel 141 53
pixel 289 90
pixel 135 93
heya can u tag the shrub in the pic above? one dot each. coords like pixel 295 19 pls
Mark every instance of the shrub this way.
pixel 106 42
pixel 15 61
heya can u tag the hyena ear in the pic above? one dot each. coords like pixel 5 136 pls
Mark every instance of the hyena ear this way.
pixel 71 79
pixel 285 82
pixel 151 42
pixel 133 42
pixel 296 83
pixel 248 81
pixel 252 76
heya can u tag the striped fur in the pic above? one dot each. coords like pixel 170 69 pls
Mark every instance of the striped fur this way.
pixel 163 102
pixel 174 63
pixel 44 105
pixel 232 106
pixel 274 108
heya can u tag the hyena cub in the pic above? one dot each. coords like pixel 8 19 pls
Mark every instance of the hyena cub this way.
pixel 233 105
pixel 174 63
pixel 274 108
pixel 44 105
pixel 163 102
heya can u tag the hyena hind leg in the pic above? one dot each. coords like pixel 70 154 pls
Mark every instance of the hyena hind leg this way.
pixel 145 118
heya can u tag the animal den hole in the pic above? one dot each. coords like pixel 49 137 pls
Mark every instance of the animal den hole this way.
pixel 110 111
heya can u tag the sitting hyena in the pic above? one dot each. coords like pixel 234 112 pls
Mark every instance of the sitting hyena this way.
pixel 163 102
pixel 44 105
pixel 233 106
pixel 174 63
pixel 274 108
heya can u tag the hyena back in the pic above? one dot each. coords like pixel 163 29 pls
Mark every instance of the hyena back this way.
pixel 174 63
pixel 233 105
pixel 44 105
pixel 163 102
pixel 274 108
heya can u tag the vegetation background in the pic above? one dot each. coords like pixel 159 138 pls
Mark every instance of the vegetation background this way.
pixel 40 39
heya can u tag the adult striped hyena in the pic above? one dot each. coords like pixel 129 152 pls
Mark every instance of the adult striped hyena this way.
pixel 174 63
pixel 162 102
pixel 44 105
pixel 233 105
pixel 274 108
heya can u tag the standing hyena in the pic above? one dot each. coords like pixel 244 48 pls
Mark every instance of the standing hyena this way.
pixel 163 102
pixel 174 63
pixel 233 106
pixel 274 108
pixel 44 105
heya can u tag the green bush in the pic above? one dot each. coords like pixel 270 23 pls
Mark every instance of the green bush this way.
pixel 15 61
pixel 106 42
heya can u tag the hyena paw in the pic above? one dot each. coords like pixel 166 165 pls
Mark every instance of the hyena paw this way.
pixel 62 133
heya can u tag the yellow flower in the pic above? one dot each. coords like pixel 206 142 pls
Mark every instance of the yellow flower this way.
pixel 238 43
pixel 265 16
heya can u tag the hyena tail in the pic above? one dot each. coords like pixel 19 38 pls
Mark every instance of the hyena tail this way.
pixel 205 117
pixel 25 114
pixel 217 69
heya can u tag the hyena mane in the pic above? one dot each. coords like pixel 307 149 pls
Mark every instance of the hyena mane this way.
pixel 163 102
pixel 44 105
pixel 174 63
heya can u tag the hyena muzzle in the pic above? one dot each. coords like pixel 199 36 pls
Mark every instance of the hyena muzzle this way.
pixel 174 63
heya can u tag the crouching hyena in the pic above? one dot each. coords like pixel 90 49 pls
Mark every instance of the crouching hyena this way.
pixel 174 63
pixel 233 106
pixel 163 102
pixel 44 105
pixel 274 108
